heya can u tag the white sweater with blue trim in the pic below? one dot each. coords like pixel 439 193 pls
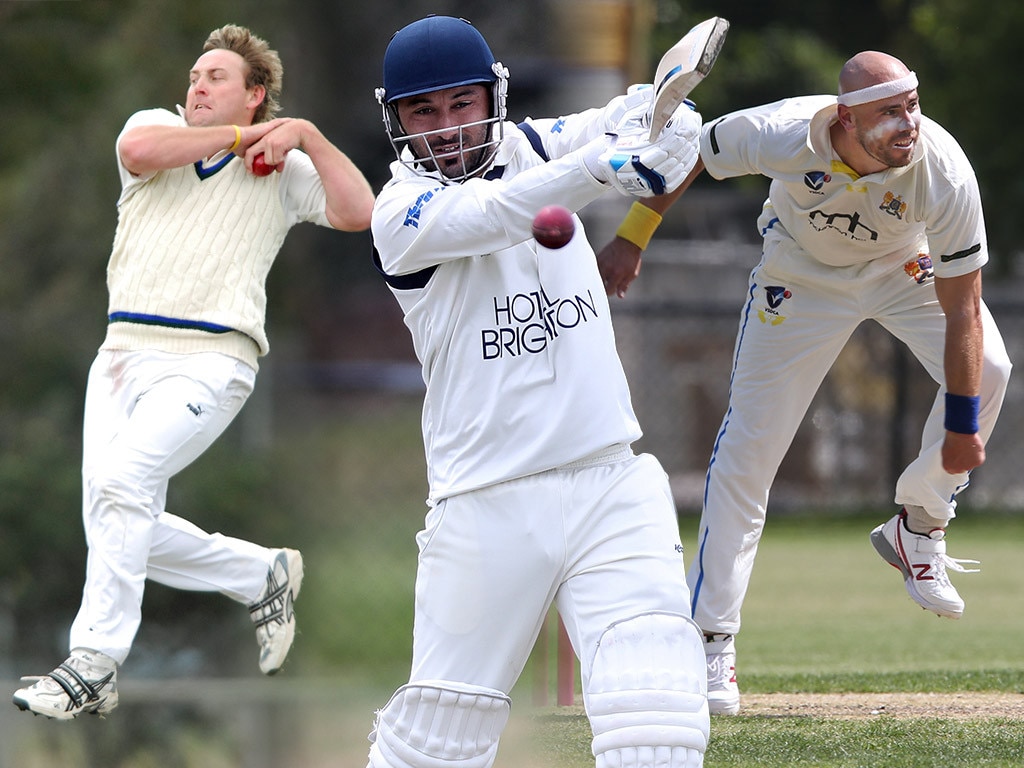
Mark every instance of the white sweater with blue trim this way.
pixel 193 249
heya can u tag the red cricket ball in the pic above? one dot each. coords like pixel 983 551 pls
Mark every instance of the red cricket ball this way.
pixel 260 167
pixel 553 226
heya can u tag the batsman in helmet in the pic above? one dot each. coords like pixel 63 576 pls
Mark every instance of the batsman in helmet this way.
pixel 536 496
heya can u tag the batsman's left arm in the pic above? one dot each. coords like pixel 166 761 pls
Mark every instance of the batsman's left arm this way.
pixel 619 261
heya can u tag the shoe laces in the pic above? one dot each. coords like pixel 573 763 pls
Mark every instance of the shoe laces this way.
pixel 941 562
pixel 721 667
pixel 957 564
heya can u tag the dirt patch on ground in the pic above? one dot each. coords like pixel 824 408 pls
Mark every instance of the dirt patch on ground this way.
pixel 949 706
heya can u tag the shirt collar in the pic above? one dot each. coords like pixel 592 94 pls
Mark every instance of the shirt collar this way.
pixel 818 138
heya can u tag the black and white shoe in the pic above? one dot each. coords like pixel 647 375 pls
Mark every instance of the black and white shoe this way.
pixel 273 613
pixel 84 684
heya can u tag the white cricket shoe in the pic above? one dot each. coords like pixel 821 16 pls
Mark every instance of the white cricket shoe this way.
pixel 84 684
pixel 723 690
pixel 923 561
pixel 273 613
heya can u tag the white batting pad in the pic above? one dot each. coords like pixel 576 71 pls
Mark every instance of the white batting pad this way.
pixel 647 696
pixel 437 723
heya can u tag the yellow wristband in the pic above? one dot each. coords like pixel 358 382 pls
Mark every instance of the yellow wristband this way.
pixel 639 225
pixel 238 138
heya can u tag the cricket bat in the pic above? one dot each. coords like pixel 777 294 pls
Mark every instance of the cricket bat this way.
pixel 682 68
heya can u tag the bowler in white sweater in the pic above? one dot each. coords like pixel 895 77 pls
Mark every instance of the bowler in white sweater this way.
pixel 200 223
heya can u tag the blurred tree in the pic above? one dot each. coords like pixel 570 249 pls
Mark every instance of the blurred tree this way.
pixel 964 54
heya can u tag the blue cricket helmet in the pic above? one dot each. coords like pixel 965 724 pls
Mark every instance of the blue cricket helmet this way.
pixel 435 53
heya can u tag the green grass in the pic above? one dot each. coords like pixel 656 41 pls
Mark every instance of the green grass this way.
pixel 821 600
pixel 563 741
pixel 913 681
pixel 825 615
pixel 911 743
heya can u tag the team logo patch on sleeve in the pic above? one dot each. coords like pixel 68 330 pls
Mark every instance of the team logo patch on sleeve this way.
pixel 815 180
pixel 412 216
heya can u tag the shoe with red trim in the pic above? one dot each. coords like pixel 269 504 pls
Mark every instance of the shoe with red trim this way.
pixel 923 561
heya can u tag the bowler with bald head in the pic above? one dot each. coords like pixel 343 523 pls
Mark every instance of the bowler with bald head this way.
pixel 873 214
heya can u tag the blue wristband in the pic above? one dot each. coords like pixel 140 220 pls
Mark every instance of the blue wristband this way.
pixel 962 413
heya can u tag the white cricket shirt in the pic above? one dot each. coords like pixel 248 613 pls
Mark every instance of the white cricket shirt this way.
pixel 931 206
pixel 515 341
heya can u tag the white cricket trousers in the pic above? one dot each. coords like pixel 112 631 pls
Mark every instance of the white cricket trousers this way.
pixel 148 415
pixel 601 540
pixel 779 363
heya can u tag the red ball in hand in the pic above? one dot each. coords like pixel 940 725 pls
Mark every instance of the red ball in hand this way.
pixel 553 226
pixel 260 167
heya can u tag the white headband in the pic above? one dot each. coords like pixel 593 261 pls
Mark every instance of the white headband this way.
pixel 879 91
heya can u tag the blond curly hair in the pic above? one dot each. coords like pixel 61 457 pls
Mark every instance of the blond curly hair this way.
pixel 263 63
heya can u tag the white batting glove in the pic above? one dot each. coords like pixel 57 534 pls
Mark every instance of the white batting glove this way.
pixel 637 168
pixel 628 114
pixel 686 120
